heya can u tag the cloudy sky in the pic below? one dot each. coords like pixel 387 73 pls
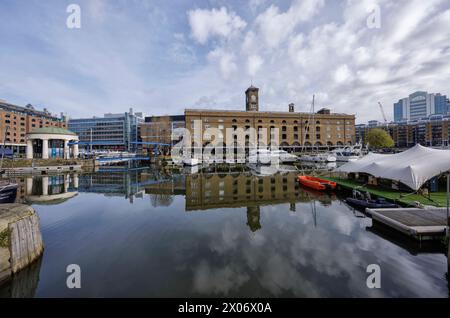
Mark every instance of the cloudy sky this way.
pixel 160 57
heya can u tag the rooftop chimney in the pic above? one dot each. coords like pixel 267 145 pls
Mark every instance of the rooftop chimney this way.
pixel 291 107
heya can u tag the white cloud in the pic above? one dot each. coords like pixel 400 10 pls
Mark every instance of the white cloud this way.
pixel 254 63
pixel 276 26
pixel 226 61
pixel 216 22
pixel 342 74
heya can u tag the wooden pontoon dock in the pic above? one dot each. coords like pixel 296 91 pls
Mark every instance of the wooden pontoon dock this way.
pixel 421 224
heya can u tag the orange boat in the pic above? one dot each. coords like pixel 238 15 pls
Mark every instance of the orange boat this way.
pixel 316 183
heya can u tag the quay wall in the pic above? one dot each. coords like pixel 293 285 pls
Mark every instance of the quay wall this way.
pixel 21 241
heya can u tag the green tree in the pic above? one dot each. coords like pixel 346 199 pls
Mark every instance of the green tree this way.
pixel 378 138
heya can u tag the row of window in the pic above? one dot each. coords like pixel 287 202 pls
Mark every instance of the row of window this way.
pixel 295 122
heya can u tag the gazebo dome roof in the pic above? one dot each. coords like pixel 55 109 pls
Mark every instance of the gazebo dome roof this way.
pixel 52 131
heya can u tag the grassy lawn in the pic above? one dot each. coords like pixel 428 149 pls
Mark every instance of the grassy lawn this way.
pixel 438 199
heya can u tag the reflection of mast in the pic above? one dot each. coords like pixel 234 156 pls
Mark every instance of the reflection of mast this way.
pixel 253 218
pixel 314 212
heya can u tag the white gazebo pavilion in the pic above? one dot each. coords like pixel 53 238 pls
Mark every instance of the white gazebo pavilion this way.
pixel 51 142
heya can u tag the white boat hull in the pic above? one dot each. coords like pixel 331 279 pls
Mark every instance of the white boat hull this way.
pixel 319 158
pixel 191 162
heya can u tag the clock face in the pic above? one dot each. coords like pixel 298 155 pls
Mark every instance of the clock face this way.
pixel 253 98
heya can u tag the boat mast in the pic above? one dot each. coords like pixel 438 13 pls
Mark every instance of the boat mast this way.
pixel 313 139
pixel 308 124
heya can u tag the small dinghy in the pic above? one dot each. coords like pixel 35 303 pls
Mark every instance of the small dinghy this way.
pixel 316 183
pixel 371 204
pixel 363 201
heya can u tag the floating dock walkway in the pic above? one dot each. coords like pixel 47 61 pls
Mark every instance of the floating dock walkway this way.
pixel 421 224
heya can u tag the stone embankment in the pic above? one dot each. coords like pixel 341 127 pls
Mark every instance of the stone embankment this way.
pixel 20 239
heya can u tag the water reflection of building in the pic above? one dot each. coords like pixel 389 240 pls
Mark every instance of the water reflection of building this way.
pixel 215 191
pixel 112 184
pixel 162 191
pixel 253 218
pixel 212 191
pixel 52 189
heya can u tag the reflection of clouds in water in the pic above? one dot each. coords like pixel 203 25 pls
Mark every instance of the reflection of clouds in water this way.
pixel 218 281
pixel 279 275
pixel 291 256
pixel 227 238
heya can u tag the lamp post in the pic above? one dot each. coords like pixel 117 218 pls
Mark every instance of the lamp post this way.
pixel 4 147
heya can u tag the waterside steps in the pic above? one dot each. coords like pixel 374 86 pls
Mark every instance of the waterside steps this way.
pixel 420 224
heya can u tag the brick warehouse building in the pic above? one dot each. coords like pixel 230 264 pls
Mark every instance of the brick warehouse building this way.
pixel 17 121
pixel 296 129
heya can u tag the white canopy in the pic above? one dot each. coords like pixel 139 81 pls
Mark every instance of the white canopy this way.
pixel 412 167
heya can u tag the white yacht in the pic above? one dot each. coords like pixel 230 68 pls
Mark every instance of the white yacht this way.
pixel 260 156
pixel 349 153
pixel 283 156
pixel 321 157
pixel 191 161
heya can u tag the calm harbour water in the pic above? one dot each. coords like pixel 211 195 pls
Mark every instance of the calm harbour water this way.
pixel 149 234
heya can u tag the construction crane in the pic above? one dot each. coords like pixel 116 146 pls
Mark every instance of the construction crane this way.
pixel 382 112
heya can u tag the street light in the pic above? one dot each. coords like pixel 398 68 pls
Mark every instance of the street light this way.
pixel 4 147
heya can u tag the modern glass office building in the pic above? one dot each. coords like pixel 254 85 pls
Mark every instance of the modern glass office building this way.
pixel 419 105
pixel 441 104
pixel 398 111
pixel 110 132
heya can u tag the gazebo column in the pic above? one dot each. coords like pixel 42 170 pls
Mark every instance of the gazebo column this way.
pixel 66 183
pixel 75 180
pixel 45 185
pixel 75 151
pixel 30 149
pixel 44 148
pixel 29 186
pixel 66 149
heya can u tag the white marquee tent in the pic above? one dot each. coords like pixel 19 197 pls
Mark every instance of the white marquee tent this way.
pixel 412 167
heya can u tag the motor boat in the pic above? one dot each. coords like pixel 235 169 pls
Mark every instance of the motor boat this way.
pixel 260 156
pixel 363 201
pixel 316 183
pixel 191 169
pixel 349 153
pixel 191 161
pixel 283 156
pixel 8 192
pixel 321 157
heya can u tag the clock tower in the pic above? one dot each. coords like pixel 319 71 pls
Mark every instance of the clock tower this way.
pixel 252 99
